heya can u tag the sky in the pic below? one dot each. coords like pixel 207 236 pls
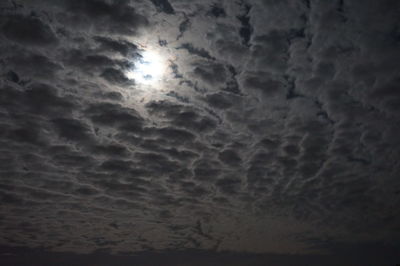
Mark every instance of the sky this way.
pixel 202 132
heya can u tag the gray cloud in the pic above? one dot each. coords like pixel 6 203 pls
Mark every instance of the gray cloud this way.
pixel 28 31
pixel 274 130
pixel 164 6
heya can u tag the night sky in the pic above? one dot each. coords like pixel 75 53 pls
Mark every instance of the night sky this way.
pixel 201 132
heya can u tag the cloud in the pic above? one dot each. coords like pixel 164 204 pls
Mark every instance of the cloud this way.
pixel 114 76
pixel 115 115
pixel 196 51
pixel 31 64
pixel 123 47
pixel 119 17
pixel 28 31
pixel 164 6
pixel 219 100
pixel 274 121
pixel 71 129
pixel 246 28
pixel 216 11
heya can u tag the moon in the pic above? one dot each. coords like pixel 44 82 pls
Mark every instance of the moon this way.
pixel 149 68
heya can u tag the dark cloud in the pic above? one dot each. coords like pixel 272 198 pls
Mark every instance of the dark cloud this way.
pixel 206 170
pixel 230 157
pixel 246 28
pixel 115 115
pixel 12 76
pixel 123 47
pixel 182 116
pixel 116 166
pixel 216 11
pixel 273 130
pixel 229 185
pixel 89 62
pixel 27 134
pixel 38 98
pixel 175 135
pixel 219 101
pixel 196 51
pixel 113 17
pixel 114 76
pixel 114 150
pixel 113 95
pixel 183 27
pixel 32 65
pixel 164 6
pixel 71 129
pixel 28 31
pixel 270 51
pixel 268 86
pixel 210 73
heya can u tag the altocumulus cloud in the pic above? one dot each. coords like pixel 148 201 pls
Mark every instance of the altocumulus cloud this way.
pixel 272 139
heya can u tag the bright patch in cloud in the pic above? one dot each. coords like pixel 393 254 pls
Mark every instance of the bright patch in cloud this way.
pixel 149 69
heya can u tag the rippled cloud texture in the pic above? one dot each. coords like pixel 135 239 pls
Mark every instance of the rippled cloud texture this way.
pixel 275 131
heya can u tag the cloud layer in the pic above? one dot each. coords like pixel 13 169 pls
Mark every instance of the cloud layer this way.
pixel 276 129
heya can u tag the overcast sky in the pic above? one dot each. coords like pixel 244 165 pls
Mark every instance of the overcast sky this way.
pixel 267 134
